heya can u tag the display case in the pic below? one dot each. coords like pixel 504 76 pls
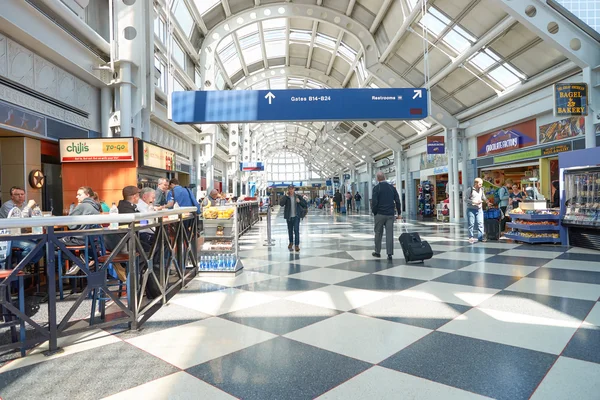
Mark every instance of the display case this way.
pixel 534 226
pixel 582 197
pixel 219 251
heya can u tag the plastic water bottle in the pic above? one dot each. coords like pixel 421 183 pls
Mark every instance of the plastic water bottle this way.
pixel 202 262
pixel 114 210
pixel 36 213
pixel 221 262
pixel 15 212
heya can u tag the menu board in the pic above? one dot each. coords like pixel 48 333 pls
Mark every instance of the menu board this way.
pixel 156 157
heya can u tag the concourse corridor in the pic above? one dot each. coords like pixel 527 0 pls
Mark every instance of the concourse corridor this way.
pixel 489 320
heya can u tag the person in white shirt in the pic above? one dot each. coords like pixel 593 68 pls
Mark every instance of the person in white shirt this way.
pixel 475 197
pixel 147 196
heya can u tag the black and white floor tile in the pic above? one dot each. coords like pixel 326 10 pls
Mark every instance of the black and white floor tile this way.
pixel 487 320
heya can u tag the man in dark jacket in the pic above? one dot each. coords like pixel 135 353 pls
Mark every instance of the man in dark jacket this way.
pixel 294 209
pixel 385 201
pixel 337 199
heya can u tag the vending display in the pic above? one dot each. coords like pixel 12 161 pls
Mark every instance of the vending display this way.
pixel 582 197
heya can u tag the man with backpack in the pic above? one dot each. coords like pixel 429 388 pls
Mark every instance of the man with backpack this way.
pixel 475 197
pixel 385 204
pixel 357 199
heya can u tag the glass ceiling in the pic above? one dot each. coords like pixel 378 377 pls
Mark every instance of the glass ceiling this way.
pixel 244 53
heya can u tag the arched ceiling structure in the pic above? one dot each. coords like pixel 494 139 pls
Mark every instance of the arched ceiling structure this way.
pixel 480 54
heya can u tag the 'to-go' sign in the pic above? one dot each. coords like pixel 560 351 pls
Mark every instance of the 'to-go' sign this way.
pixel 96 150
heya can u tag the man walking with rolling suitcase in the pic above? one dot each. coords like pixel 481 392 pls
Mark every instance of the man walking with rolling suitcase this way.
pixel 385 201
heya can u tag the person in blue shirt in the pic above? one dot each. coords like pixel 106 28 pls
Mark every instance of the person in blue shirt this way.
pixel 180 195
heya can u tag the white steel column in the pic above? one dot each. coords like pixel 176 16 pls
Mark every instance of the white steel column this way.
pixel 105 110
pixel 197 164
pixel 450 151
pixel 463 164
pixel 454 200
pixel 406 183
pixel 590 129
pixel 398 164
pixel 125 99
pixel 370 178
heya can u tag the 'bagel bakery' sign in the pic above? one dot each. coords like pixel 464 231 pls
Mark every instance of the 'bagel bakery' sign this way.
pixel 570 99
pixel 507 139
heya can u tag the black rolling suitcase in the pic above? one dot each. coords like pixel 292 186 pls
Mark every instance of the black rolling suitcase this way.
pixel 492 229
pixel 414 248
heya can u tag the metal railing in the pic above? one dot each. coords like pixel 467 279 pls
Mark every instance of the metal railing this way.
pixel 158 263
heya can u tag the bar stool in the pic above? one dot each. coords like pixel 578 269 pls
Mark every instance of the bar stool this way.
pixel 8 318
pixel 121 258
pixel 76 250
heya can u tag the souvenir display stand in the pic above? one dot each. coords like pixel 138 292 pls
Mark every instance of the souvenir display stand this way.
pixel 426 199
pixel 534 226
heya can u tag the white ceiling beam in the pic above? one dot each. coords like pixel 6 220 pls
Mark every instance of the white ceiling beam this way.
pixel 263 47
pixel 352 69
pixel 350 7
pixel 196 16
pixel 226 7
pixel 238 48
pixel 287 41
pixel 257 3
pixel 486 39
pixel 335 50
pixel 408 21
pixel 380 14
pixel 223 72
pixel 311 46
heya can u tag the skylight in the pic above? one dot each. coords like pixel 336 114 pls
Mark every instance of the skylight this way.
pixel 346 52
pixel 457 41
pixel 325 40
pixel 184 17
pixel 300 35
pixel 275 49
pixel 206 5
pixel 504 76
pixel 252 54
pixel 278 83
pixel 275 23
pixel 434 21
pixel 247 30
pixel 484 59
pixel 232 65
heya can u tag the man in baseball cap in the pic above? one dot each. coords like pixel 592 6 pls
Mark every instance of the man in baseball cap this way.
pixel 131 196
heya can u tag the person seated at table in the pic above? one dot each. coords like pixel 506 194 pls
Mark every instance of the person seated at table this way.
pixel 146 201
pixel 18 200
pixel 103 206
pixel 86 206
pixel 212 199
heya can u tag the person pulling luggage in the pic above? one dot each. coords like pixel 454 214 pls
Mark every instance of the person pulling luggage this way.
pixel 385 200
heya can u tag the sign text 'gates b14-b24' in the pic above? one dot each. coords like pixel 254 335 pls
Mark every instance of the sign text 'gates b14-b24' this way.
pixel 228 106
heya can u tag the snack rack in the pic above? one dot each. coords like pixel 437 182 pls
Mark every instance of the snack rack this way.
pixel 219 252
pixel 535 226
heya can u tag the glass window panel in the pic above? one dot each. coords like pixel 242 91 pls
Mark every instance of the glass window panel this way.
pixel 228 52
pixel 232 65
pixel 178 54
pixel 184 17
pixel 178 86
pixel 464 33
pixel 433 24
pixel 197 78
pixel 220 82
pixel 206 5
pixel 346 52
pixel 227 40
pixel 249 41
pixel 325 40
pixel 504 77
pixel 300 35
pixel 159 28
pixel 278 83
pixel 252 54
pixel 275 49
pixel 482 61
pixel 247 30
pixel 274 23
pixel 437 14
pixel 456 41
pixel 274 35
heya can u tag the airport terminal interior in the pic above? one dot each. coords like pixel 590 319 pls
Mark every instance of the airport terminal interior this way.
pixel 208 182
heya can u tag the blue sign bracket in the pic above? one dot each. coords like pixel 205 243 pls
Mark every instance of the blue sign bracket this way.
pixel 243 106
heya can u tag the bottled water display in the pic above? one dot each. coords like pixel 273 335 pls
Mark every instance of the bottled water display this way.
pixel 219 262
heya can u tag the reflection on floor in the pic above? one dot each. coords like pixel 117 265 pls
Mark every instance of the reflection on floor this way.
pixel 489 320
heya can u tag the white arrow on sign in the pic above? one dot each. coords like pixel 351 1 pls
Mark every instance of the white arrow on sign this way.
pixel 418 93
pixel 270 96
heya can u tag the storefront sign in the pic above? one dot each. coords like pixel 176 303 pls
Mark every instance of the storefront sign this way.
pixel 17 117
pixel 435 145
pixel 316 185
pixel 252 166
pixel 518 156
pixel 559 148
pixel 94 150
pixel 433 160
pixel 440 170
pixel 570 99
pixel 336 179
pixel 563 129
pixel 156 157
pixel 36 179
pixel 511 138
pixel 328 182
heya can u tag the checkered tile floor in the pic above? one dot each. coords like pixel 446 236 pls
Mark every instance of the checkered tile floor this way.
pixel 489 320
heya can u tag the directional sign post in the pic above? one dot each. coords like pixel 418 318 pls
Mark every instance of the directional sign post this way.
pixel 229 106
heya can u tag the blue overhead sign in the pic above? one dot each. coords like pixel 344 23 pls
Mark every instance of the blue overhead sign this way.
pixel 228 106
